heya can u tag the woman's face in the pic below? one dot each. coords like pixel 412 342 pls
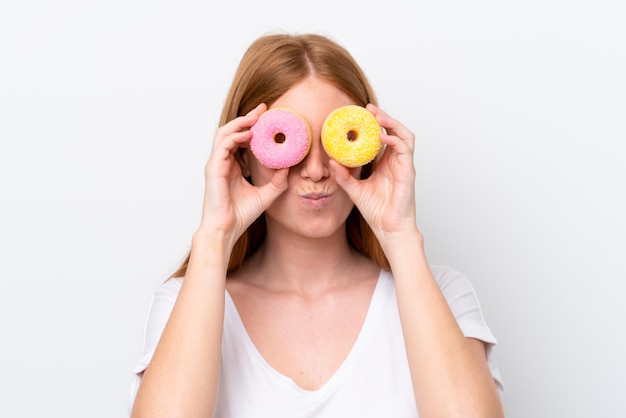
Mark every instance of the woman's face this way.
pixel 313 204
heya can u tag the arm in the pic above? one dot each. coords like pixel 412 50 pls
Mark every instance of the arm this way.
pixel 182 378
pixel 184 370
pixel 449 372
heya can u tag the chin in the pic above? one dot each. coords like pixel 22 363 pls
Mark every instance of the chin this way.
pixel 314 227
pixel 321 228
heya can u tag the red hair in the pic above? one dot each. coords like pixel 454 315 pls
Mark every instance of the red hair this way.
pixel 269 68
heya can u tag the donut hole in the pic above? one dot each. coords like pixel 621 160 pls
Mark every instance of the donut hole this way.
pixel 352 135
pixel 280 138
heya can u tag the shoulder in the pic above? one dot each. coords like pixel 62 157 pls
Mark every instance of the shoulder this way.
pixel 449 280
pixel 464 302
pixel 168 288
pixel 446 275
pixel 163 300
pixel 461 296
pixel 456 288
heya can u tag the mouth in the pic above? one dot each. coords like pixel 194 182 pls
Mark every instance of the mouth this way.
pixel 316 200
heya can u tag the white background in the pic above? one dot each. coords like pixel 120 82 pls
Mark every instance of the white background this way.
pixel 107 111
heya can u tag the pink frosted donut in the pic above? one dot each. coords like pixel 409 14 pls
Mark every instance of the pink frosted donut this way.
pixel 280 138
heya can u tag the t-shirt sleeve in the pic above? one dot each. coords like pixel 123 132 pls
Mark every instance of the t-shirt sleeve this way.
pixel 161 305
pixel 464 304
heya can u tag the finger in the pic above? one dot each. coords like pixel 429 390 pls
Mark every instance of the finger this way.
pixel 396 144
pixel 392 126
pixel 225 146
pixel 241 123
pixel 260 109
pixel 236 134
pixel 250 118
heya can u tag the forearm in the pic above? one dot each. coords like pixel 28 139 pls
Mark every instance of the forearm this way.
pixel 449 379
pixel 183 374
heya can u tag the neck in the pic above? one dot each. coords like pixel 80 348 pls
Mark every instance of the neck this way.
pixel 305 264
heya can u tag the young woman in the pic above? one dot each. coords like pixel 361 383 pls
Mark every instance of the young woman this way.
pixel 307 292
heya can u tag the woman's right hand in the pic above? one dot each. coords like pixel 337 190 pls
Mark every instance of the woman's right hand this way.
pixel 183 376
pixel 231 203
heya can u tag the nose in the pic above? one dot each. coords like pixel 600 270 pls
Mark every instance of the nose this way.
pixel 315 165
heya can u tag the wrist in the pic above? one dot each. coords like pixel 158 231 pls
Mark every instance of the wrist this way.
pixel 403 246
pixel 213 235
pixel 210 250
pixel 397 240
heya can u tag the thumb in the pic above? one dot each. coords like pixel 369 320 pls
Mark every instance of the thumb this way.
pixel 343 178
pixel 274 188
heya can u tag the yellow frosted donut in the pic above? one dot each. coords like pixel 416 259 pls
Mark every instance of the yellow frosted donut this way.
pixel 351 136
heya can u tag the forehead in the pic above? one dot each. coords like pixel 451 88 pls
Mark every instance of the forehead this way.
pixel 313 98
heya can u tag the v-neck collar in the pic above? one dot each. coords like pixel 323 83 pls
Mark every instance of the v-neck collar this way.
pixel 346 365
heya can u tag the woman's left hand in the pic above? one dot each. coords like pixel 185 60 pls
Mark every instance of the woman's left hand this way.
pixel 387 198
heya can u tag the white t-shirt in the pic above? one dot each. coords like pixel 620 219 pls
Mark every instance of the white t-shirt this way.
pixel 373 381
